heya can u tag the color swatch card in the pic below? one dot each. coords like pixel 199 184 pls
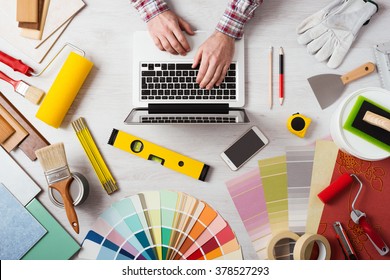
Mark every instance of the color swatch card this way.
pixel 20 231
pixel 299 170
pixel 373 200
pixel 274 177
pixel 160 225
pixel 247 194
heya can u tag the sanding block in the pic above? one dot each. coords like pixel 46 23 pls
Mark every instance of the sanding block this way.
pixel 357 124
pixel 382 55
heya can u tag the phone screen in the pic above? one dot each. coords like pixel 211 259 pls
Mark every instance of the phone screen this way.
pixel 244 148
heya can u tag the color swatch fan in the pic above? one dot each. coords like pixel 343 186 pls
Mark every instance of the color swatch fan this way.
pixel 160 225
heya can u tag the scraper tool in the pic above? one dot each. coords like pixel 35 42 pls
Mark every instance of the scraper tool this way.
pixel 328 87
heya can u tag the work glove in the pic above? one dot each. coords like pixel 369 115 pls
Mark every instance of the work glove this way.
pixel 330 32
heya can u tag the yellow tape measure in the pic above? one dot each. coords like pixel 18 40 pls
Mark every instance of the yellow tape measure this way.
pixel 298 124
pixel 150 151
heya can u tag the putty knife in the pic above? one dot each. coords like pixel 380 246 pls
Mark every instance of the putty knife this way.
pixel 328 87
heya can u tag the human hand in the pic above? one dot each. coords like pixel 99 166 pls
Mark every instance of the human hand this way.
pixel 214 57
pixel 166 31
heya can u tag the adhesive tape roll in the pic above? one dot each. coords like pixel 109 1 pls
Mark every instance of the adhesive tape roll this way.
pixel 276 239
pixel 64 90
pixel 306 241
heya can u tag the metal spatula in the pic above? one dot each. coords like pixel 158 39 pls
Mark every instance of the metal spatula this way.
pixel 328 87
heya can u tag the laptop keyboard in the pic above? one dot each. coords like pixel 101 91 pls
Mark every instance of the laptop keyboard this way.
pixel 180 119
pixel 177 81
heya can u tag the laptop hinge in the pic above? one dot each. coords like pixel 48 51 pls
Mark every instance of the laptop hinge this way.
pixel 188 108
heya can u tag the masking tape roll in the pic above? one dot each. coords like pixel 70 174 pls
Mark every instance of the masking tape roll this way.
pixel 276 238
pixel 306 240
pixel 64 90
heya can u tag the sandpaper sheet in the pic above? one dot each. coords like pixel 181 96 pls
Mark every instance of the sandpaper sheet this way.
pixel 373 200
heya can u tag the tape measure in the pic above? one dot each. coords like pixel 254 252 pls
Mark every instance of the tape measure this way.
pixel 298 124
pixel 150 151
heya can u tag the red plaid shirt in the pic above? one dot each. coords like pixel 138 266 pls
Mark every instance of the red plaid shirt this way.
pixel 232 23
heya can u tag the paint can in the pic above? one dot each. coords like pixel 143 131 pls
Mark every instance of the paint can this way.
pixel 349 142
pixel 79 190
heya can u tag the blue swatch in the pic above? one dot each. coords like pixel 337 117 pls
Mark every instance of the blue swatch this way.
pixel 20 231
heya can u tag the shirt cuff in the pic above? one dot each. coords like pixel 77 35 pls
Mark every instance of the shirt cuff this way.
pixel 148 9
pixel 235 17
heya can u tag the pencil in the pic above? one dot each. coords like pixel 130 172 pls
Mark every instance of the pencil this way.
pixel 270 97
pixel 281 76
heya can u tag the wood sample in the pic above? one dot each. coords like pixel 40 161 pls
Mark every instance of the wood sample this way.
pixel 35 140
pixel 27 10
pixel 18 136
pixel 6 130
pixel 34 25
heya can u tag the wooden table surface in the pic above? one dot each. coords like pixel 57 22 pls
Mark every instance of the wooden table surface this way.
pixel 104 30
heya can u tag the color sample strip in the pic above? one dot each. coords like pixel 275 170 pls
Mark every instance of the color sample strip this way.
pixel 274 177
pixel 152 208
pixel 168 209
pixel 57 244
pixel 205 219
pixel 324 160
pixel 20 231
pixel 135 199
pixel 299 170
pixel 247 194
pixel 126 209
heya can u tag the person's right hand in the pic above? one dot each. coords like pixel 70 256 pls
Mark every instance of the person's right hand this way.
pixel 166 31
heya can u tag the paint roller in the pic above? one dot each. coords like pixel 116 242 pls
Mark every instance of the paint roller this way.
pixel 357 216
pixel 64 88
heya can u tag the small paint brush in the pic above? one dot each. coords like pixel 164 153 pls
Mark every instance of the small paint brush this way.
pixel 31 93
pixel 58 176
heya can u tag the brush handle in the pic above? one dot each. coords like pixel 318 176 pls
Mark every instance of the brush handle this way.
pixel 15 64
pixel 377 120
pixel 8 80
pixel 63 188
pixel 358 73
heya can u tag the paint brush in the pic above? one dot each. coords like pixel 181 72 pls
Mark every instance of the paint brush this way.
pixel 31 93
pixel 58 176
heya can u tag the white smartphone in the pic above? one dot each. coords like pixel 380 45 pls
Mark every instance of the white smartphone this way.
pixel 244 148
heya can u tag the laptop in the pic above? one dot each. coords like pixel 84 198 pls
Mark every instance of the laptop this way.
pixel 165 89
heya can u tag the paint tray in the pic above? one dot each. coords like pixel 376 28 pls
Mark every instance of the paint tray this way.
pixel 382 55
pixel 371 133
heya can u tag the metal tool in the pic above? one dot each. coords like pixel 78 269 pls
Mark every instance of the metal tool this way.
pixel 328 87
pixel 343 239
pixel 382 55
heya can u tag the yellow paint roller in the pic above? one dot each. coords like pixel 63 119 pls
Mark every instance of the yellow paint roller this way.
pixel 64 90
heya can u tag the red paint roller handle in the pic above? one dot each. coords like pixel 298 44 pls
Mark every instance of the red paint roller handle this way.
pixel 15 64
pixel 337 186
pixel 374 237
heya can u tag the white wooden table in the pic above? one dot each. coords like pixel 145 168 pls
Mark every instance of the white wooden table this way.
pixel 104 30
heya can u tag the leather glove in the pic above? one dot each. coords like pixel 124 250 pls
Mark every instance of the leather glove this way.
pixel 330 32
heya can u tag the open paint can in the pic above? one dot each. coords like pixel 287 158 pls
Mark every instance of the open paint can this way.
pixel 79 190
pixel 349 142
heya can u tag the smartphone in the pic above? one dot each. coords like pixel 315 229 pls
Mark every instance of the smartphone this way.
pixel 244 148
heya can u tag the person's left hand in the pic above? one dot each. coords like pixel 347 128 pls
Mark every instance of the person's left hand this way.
pixel 214 57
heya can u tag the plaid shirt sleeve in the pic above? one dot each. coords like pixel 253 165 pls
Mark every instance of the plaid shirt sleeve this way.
pixel 148 9
pixel 236 15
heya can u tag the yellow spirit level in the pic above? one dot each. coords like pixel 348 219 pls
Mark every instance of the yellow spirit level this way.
pixel 150 151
